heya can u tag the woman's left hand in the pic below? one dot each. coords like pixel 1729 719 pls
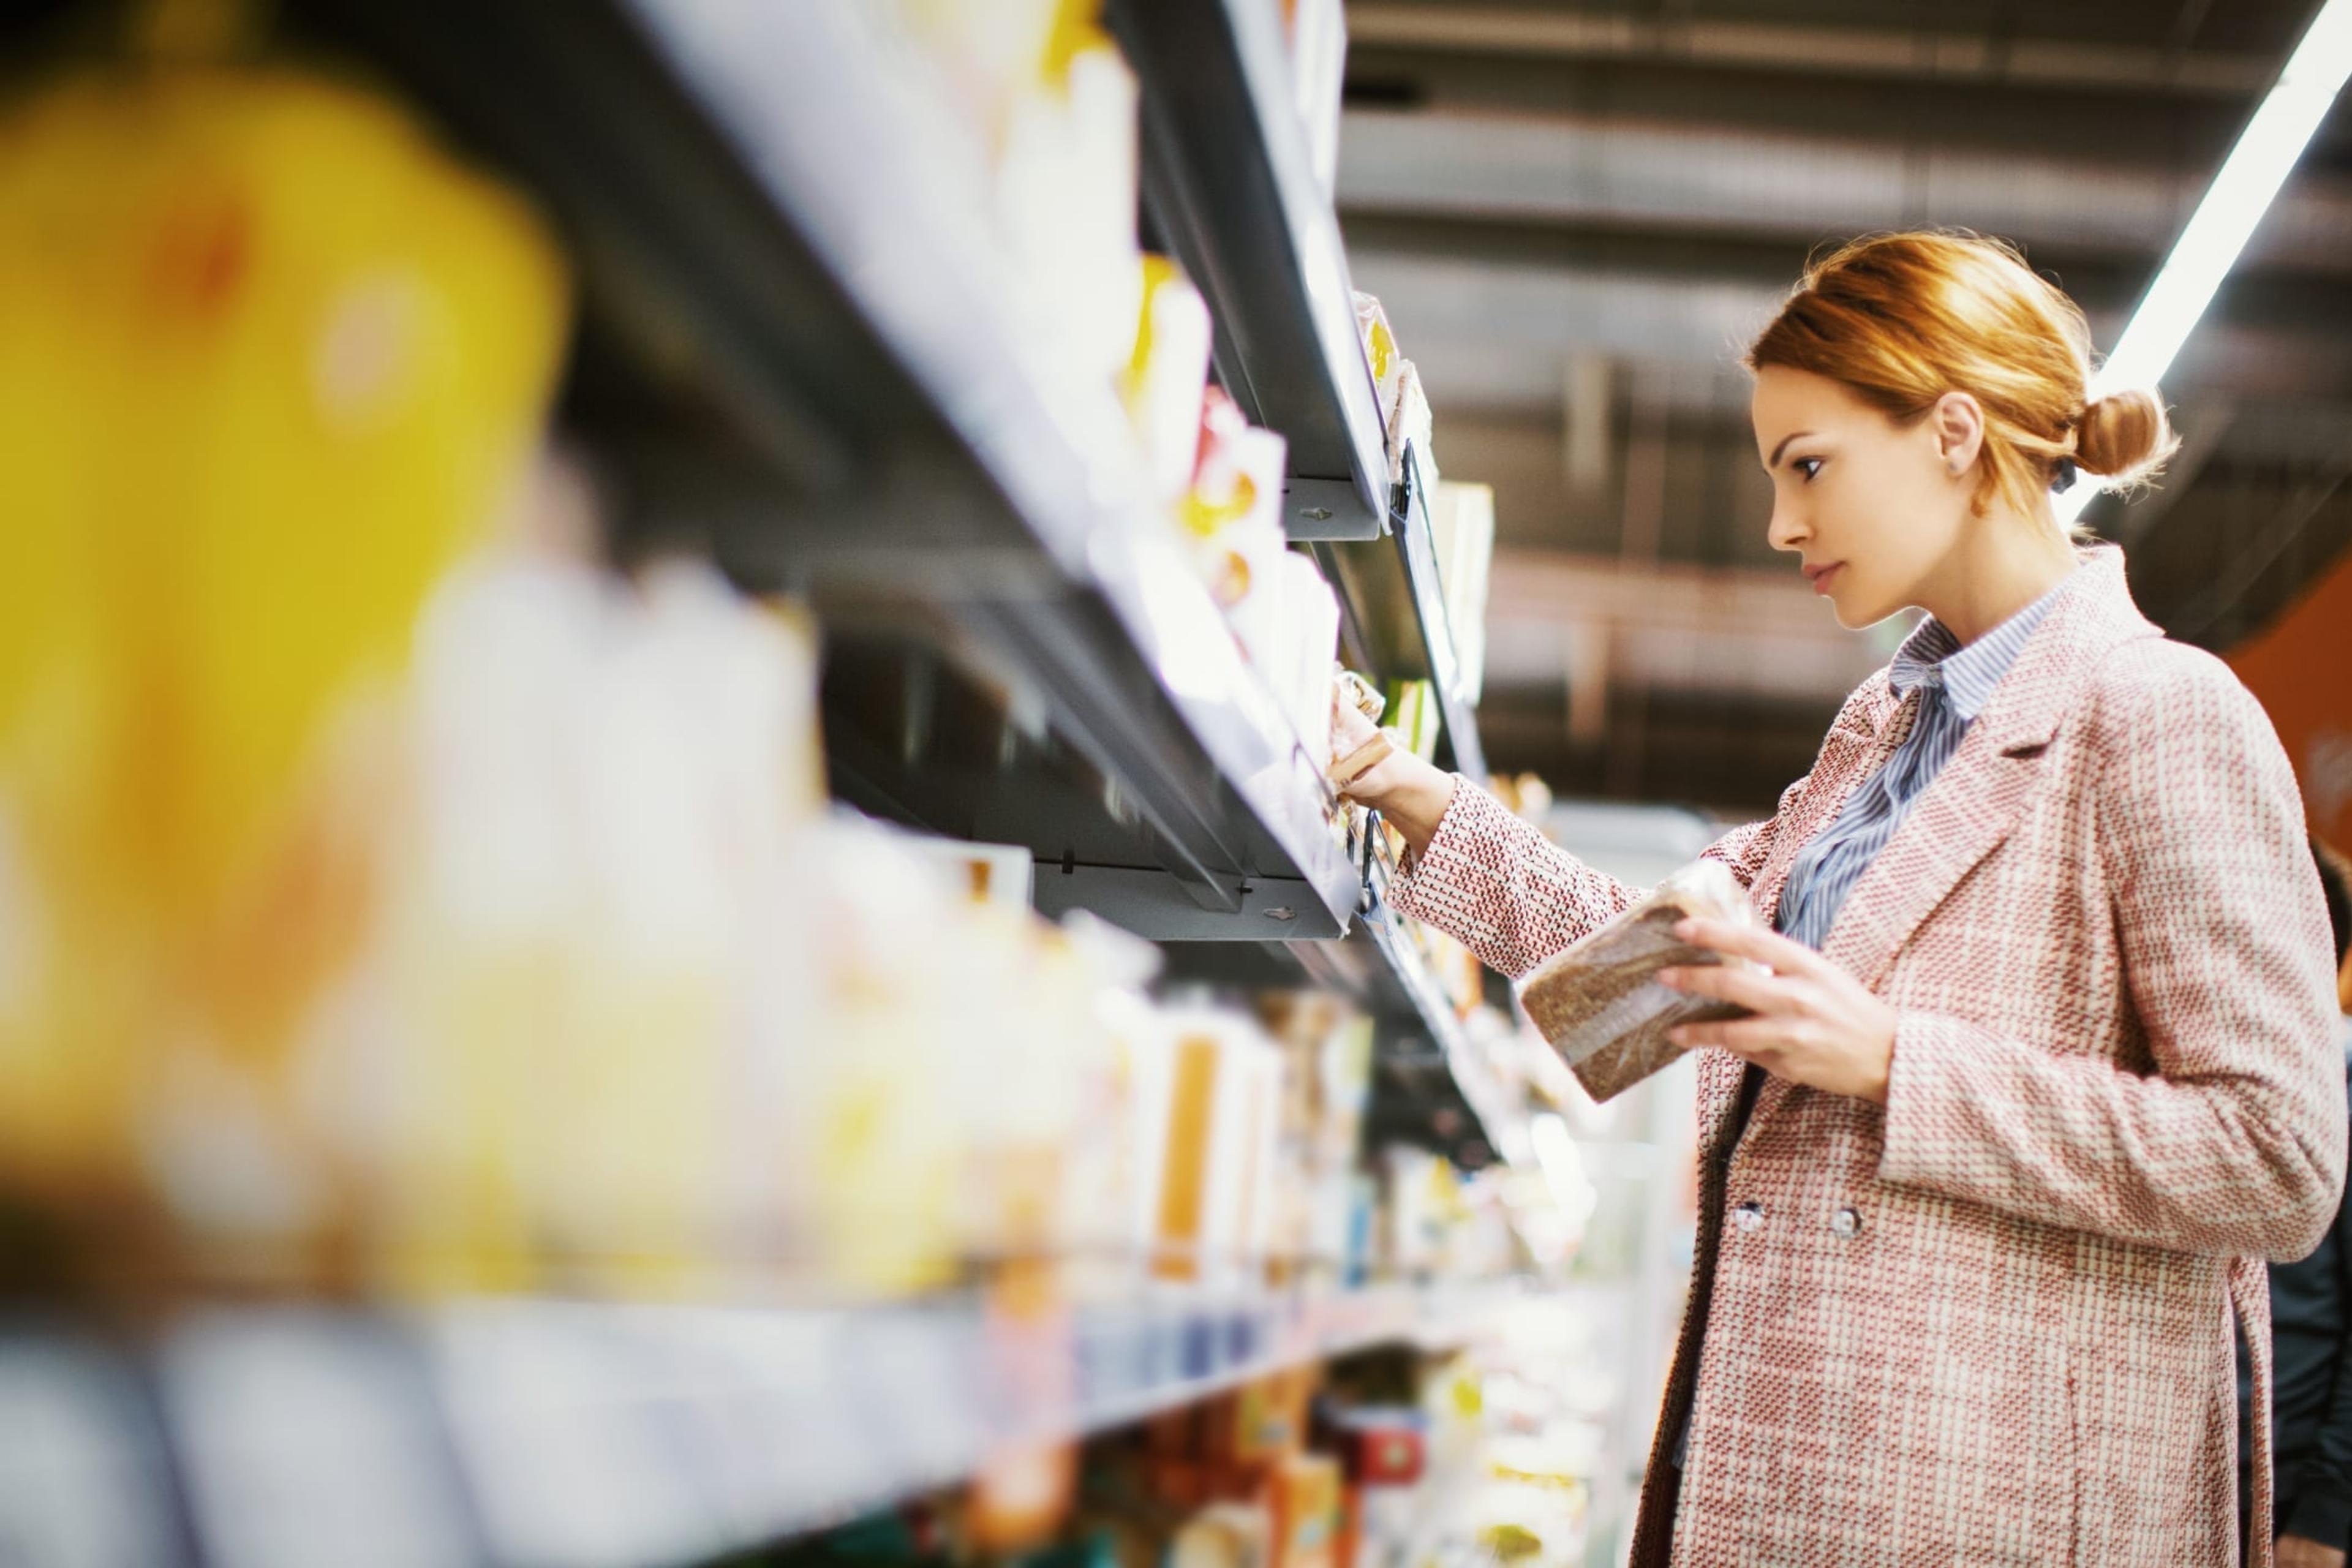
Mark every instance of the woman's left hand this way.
pixel 1814 1024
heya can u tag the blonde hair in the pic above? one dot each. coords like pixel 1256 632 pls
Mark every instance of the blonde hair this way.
pixel 1900 319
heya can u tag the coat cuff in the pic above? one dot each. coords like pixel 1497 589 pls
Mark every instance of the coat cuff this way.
pixel 1927 1097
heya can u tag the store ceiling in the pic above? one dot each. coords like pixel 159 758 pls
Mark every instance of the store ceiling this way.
pixel 1577 215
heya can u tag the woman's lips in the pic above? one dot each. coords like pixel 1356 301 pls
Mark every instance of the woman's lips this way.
pixel 1820 575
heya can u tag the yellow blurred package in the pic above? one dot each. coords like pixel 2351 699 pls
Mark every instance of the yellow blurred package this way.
pixel 269 360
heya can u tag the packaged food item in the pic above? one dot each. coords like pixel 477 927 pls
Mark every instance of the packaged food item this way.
pixel 253 414
pixel 1301 672
pixel 1319 57
pixel 1168 377
pixel 1067 195
pixel 1597 1001
pixel 1413 717
pixel 1461 531
pixel 1224 1536
pixel 1410 429
pixel 1379 352
pixel 1223 1101
pixel 1304 1492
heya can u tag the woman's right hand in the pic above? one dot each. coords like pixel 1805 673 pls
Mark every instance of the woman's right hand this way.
pixel 1410 793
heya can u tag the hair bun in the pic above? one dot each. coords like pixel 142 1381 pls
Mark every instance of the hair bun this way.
pixel 2125 437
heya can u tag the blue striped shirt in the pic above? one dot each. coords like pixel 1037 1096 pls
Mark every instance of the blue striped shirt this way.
pixel 1954 683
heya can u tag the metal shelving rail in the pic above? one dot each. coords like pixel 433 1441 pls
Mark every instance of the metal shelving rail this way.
pixel 567 1434
pixel 764 208
pixel 1230 188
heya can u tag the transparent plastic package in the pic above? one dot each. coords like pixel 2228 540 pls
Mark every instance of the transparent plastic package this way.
pixel 1599 1001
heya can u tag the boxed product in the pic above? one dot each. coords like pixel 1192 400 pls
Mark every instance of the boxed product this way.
pixel 1598 1002
pixel 1318 56
pixel 1461 531
pixel 1216 1186
pixel 1308 640
pixel 1409 429
pixel 1379 352
pixel 1168 377
pixel 1066 194
pixel 199 360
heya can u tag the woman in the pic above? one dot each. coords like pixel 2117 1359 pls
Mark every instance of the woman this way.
pixel 2044 1057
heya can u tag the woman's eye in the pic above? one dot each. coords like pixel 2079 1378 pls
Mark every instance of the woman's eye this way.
pixel 1808 466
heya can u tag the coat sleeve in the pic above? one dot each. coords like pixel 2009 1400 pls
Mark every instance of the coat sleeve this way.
pixel 1514 898
pixel 2235 1143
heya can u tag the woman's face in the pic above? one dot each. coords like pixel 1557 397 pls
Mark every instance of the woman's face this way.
pixel 1873 507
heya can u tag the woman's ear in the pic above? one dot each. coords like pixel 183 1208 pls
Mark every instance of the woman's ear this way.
pixel 1958 422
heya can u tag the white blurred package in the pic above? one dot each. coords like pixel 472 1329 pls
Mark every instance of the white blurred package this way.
pixel 1318 60
pixel 1232 521
pixel 1067 200
pixel 1168 376
pixel 1462 528
pixel 1301 677
pixel 1598 1002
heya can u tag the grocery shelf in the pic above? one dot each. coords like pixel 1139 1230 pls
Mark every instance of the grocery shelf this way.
pixel 570 1435
pixel 779 363
pixel 1499 1112
pixel 1229 187
pixel 1394 607
pixel 1416 545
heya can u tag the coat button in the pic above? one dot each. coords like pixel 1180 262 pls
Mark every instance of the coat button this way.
pixel 1748 1217
pixel 1846 1223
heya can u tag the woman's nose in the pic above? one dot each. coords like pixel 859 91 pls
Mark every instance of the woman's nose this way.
pixel 1788 531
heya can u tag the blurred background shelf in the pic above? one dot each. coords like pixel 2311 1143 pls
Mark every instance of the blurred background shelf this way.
pixel 1231 187
pixel 574 1436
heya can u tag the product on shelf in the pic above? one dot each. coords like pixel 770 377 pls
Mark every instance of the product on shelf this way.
pixel 1410 431
pixel 1380 352
pixel 1216 1193
pixel 1415 717
pixel 1461 532
pixel 251 420
pixel 1327 1052
pixel 1404 408
pixel 1233 518
pixel 1306 640
pixel 1067 195
pixel 1319 57
pixel 1596 1002
pixel 1167 378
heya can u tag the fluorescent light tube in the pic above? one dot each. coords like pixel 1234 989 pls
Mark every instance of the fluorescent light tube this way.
pixel 2242 191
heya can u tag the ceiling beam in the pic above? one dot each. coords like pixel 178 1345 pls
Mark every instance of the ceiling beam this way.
pixel 1885 52
pixel 1603 169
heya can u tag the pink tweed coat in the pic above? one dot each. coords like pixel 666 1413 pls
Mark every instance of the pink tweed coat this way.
pixel 1990 1322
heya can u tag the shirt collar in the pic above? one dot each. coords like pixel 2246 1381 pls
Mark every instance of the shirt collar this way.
pixel 1931 655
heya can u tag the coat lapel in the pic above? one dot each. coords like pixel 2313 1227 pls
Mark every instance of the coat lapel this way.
pixel 1856 747
pixel 1978 799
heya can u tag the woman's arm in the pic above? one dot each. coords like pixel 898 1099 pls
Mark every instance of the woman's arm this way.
pixel 2237 1144
pixel 1477 872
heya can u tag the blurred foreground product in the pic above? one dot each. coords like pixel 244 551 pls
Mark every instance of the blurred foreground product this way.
pixel 1052 107
pixel 1596 1002
pixel 1168 378
pixel 577 1017
pixel 267 360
